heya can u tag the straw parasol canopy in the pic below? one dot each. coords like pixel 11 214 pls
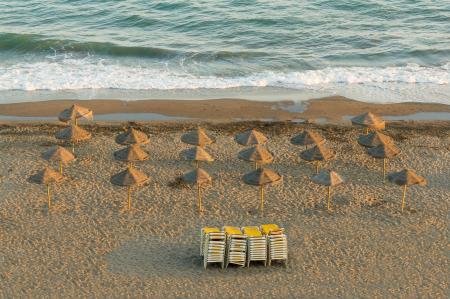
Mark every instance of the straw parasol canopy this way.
pixel 74 113
pixel 316 154
pixel 74 134
pixel 307 137
pixel 197 154
pixel 250 137
pixel 405 178
pixel 258 154
pixel 384 151
pixel 130 177
pixel 130 154
pixel 59 154
pixel 199 177
pixel 47 176
pixel 261 177
pixel 374 139
pixel 132 136
pixel 369 121
pixel 328 178
pixel 198 137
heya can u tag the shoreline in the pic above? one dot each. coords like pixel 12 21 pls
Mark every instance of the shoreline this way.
pixel 333 109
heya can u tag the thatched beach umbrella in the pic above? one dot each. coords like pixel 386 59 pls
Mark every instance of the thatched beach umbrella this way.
pixel 327 178
pixel 198 137
pixel 316 154
pixel 201 178
pixel 374 139
pixel 74 113
pixel 130 177
pixel 47 177
pixel 307 137
pixel 405 178
pixel 73 134
pixel 384 151
pixel 250 137
pixel 369 121
pixel 257 154
pixel 197 154
pixel 261 177
pixel 132 136
pixel 60 155
pixel 130 154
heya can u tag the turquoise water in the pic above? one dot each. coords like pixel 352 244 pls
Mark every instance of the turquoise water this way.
pixel 394 50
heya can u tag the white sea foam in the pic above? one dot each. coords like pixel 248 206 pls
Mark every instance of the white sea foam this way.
pixel 75 74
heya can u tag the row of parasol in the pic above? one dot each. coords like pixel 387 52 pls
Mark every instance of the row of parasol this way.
pixel 379 146
pixel 72 134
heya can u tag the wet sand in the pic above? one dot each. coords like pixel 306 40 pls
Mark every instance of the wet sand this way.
pixel 88 245
pixel 331 109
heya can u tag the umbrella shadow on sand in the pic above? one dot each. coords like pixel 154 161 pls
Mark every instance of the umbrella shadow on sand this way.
pixel 340 203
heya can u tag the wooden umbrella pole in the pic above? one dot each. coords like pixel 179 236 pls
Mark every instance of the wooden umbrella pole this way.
pixel 49 199
pixel 366 131
pixel 60 167
pixel 384 169
pixel 76 121
pixel 329 199
pixel 404 197
pixel 73 147
pixel 256 165
pixel 317 167
pixel 261 193
pixel 199 195
pixel 129 197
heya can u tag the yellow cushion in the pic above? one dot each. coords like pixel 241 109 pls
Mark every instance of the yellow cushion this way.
pixel 231 230
pixel 252 231
pixel 267 228
pixel 208 230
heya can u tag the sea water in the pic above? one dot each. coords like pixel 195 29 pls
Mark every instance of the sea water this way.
pixel 378 51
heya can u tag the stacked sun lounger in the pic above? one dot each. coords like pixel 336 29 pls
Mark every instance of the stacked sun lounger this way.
pixel 256 245
pixel 203 235
pixel 236 246
pixel 240 246
pixel 277 243
pixel 214 248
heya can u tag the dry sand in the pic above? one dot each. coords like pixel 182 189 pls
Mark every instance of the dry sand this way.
pixel 89 246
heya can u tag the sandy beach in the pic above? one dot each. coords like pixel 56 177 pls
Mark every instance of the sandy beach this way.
pixel 127 81
pixel 89 245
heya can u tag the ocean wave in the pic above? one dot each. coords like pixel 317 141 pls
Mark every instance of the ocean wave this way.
pixel 36 44
pixel 93 74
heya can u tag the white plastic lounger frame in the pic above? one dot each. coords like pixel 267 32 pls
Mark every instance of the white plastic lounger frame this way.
pixel 256 247
pixel 236 247
pixel 276 242
pixel 278 249
pixel 203 234
pixel 214 249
